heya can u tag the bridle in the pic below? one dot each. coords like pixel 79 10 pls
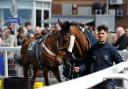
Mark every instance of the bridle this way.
pixel 61 37
pixel 52 55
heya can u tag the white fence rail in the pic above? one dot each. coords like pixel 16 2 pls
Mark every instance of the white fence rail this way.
pixel 5 50
pixel 94 78
pixel 86 81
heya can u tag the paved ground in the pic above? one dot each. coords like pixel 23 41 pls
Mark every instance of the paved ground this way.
pixel 54 81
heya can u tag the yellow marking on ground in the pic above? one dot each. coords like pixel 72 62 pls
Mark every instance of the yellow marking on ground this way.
pixel 1 84
pixel 38 85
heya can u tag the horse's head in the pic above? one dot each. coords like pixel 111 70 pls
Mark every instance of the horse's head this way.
pixel 65 30
pixel 66 38
pixel 78 42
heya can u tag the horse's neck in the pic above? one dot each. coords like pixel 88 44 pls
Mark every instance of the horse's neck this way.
pixel 82 43
pixel 51 42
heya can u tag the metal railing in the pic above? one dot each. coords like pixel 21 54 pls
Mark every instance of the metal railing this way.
pixel 5 50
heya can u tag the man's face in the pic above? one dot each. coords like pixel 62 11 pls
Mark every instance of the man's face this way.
pixel 29 27
pixel 102 36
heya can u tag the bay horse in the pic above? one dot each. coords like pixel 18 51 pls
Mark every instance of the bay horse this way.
pixel 79 51
pixel 53 49
pixel 47 54
pixel 81 44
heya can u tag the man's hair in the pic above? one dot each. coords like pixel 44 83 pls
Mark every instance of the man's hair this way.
pixel 102 27
pixel 27 23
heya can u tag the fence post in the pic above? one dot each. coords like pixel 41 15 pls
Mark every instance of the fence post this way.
pixel 6 63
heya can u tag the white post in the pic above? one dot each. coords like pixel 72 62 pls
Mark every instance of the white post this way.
pixel 107 7
pixel 6 63
pixel 15 25
pixel 13 11
pixel 33 19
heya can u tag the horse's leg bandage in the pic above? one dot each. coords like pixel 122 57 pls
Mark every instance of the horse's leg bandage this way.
pixel 71 43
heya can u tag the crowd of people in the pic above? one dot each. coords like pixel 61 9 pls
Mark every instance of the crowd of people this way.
pixel 101 55
pixel 118 38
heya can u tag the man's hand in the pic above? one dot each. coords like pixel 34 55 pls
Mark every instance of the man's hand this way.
pixel 76 69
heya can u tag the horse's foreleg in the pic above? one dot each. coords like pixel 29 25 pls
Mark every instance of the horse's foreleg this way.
pixel 57 75
pixel 25 70
pixel 45 73
pixel 34 73
pixel 34 76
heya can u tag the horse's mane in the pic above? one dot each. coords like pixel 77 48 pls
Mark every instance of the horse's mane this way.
pixel 81 42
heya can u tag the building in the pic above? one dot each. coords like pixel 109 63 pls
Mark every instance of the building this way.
pixel 34 11
pixel 38 11
pixel 117 8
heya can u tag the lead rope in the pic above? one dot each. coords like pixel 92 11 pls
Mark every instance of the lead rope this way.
pixel 77 74
pixel 73 71
pixel 72 66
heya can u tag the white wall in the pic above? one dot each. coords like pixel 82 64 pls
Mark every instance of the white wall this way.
pixel 67 9
pixel 108 20
pixel 84 11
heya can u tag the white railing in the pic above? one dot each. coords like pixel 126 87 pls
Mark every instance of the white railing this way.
pixel 93 79
pixel 86 81
pixel 5 50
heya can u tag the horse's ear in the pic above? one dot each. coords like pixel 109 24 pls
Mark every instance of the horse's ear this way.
pixel 68 23
pixel 60 23
pixel 58 20
pixel 68 26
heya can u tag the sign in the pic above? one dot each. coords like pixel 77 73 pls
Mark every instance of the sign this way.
pixel 14 20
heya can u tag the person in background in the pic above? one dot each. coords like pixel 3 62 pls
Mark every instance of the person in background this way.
pixel 126 34
pixel 1 34
pixel 101 56
pixel 122 41
pixel 8 41
pixel 20 36
pixel 95 33
pixel 112 38
pixel 126 31
pixel 38 32
pixel 46 30
pixel 11 27
pixel 8 38
pixel 25 28
pixel 29 31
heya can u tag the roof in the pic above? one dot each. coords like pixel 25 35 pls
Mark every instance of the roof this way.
pixel 77 19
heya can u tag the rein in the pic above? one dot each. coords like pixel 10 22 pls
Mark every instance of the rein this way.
pixel 62 48
pixel 50 54
pixel 72 65
pixel 47 50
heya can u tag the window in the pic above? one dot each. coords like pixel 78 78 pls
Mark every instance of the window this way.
pixel 25 14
